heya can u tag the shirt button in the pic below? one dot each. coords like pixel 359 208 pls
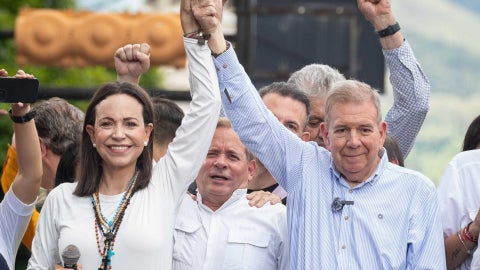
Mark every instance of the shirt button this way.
pixel 350 191
pixel 225 66
pixel 346 217
pixel 344 246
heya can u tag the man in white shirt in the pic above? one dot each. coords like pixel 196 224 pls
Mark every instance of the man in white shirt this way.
pixel 220 230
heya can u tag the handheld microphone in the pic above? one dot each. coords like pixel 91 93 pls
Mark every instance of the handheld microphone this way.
pixel 70 256
pixel 337 204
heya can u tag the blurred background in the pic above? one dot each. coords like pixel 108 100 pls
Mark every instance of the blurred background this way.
pixel 272 38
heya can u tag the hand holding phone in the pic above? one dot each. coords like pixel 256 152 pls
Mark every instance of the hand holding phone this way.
pixel 13 90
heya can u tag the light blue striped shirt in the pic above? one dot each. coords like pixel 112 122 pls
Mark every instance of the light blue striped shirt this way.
pixel 394 222
pixel 411 94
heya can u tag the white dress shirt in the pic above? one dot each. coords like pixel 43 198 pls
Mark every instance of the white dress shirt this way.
pixel 235 236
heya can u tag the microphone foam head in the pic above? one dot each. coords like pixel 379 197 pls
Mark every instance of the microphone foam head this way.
pixel 71 255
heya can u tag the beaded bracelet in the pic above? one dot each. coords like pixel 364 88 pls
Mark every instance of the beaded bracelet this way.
pixel 468 235
pixel 469 251
pixel 199 35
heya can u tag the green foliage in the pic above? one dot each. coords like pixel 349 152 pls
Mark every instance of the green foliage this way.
pixel 88 77
pixel 14 6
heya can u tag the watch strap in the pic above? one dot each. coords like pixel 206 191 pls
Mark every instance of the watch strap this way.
pixel 390 30
pixel 22 119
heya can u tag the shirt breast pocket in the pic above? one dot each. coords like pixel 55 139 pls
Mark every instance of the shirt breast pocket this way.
pixel 186 236
pixel 248 249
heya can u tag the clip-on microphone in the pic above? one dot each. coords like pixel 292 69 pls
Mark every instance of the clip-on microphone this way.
pixel 337 204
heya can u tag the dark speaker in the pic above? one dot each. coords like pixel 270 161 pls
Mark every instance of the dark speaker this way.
pixel 277 37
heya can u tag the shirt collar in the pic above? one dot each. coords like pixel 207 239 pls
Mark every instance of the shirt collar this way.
pixel 236 195
pixel 372 180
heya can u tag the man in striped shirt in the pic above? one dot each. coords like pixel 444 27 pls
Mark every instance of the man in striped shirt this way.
pixel 348 208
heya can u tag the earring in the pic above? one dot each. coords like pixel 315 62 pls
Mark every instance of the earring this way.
pixel 94 145
pixel 145 143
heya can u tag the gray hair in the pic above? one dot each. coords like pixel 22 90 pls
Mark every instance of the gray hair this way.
pixel 352 91
pixel 316 80
pixel 59 123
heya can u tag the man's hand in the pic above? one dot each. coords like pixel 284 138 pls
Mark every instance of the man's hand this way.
pixel 377 12
pixel 131 61
pixel 208 14
pixel 259 198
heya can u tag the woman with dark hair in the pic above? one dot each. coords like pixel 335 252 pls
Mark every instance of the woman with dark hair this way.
pixel 120 213
pixel 472 136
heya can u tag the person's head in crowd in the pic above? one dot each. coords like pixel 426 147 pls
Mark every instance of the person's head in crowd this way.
pixel 168 117
pixel 472 136
pixel 289 105
pixel 118 112
pixel 353 129
pixel 67 167
pixel 393 151
pixel 228 167
pixel 59 125
pixel 316 80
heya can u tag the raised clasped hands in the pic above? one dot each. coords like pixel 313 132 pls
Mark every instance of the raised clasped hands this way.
pixel 201 14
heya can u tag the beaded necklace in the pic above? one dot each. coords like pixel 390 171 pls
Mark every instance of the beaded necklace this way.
pixel 107 230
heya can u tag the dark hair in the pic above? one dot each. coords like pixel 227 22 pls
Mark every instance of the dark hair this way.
pixel 393 150
pixel 287 90
pixel 90 162
pixel 58 123
pixel 67 166
pixel 168 117
pixel 472 136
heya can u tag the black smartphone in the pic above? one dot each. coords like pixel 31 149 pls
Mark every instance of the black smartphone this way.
pixel 14 90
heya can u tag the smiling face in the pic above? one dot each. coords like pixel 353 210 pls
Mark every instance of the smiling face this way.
pixel 226 168
pixel 354 137
pixel 119 134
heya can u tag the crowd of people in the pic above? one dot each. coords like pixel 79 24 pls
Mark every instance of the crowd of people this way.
pixel 136 183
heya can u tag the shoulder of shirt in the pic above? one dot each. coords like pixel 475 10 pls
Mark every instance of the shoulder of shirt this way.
pixel 467 156
pixel 64 189
pixel 409 176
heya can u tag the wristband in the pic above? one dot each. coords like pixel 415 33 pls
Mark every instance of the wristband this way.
pixel 227 46
pixel 390 30
pixel 199 36
pixel 22 119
